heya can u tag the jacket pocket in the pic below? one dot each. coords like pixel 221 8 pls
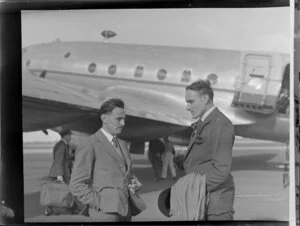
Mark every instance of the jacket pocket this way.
pixel 113 200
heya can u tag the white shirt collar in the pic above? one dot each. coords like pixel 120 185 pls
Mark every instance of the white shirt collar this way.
pixel 107 134
pixel 204 116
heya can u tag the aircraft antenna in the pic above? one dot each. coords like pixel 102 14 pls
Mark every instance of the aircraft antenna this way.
pixel 107 34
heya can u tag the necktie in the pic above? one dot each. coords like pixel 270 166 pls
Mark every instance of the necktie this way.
pixel 195 126
pixel 68 150
pixel 116 146
pixel 115 142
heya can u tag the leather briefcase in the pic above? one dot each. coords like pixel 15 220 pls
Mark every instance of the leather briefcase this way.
pixel 56 194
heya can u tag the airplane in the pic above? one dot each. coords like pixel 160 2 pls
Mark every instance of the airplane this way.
pixel 64 84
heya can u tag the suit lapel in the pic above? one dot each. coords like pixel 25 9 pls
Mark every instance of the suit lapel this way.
pixel 108 147
pixel 200 127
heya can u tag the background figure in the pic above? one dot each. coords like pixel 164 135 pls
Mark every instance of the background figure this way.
pixel 168 156
pixel 62 159
pixel 155 151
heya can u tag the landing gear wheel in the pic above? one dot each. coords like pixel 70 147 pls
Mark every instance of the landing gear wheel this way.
pixel 47 210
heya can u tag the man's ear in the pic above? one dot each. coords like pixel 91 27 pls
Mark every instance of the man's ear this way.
pixel 206 98
pixel 103 117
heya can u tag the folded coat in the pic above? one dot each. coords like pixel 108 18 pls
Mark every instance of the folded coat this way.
pixel 188 201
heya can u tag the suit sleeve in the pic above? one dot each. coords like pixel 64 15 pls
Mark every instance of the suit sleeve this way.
pixel 59 155
pixel 80 182
pixel 223 139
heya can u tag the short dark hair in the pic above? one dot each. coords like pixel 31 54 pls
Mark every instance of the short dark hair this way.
pixel 109 105
pixel 203 87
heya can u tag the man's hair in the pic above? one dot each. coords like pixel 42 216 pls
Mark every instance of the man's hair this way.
pixel 109 105
pixel 203 87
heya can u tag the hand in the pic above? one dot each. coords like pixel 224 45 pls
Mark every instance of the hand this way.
pixel 134 184
pixel 60 179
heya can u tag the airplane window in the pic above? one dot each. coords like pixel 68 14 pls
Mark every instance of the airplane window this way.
pixel 67 55
pixel 139 71
pixel 28 63
pixel 112 69
pixel 186 76
pixel 213 78
pixel 161 74
pixel 92 67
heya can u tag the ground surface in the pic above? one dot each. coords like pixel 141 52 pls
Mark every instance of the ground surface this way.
pixel 257 170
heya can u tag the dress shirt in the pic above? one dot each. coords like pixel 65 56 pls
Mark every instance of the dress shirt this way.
pixel 204 116
pixel 110 139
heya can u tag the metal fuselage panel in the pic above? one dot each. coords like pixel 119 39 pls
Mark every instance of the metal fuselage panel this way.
pixel 101 66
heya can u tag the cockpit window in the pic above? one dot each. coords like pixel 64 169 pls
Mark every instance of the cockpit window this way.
pixel 186 76
pixel 112 69
pixel 161 74
pixel 92 67
pixel 139 70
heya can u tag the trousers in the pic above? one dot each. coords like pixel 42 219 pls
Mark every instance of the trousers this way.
pixel 168 163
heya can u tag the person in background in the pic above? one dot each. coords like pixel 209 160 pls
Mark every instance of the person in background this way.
pixel 168 162
pixel 156 148
pixel 62 159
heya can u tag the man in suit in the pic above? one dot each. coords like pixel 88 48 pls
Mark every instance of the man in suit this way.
pixel 62 159
pixel 210 150
pixel 102 169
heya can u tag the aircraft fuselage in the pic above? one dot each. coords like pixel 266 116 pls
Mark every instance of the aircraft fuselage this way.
pixel 246 84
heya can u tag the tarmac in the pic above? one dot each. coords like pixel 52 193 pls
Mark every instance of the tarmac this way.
pixel 260 176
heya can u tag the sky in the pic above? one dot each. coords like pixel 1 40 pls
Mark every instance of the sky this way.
pixel 260 29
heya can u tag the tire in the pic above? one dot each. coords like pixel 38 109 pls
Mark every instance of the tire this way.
pixel 47 211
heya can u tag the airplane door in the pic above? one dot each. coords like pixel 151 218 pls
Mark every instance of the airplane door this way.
pixel 256 75
pixel 254 81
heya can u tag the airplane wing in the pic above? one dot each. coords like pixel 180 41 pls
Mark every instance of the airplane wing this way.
pixel 48 104
pixel 150 114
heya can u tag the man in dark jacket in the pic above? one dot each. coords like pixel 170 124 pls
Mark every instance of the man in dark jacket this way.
pixel 156 148
pixel 210 150
pixel 62 159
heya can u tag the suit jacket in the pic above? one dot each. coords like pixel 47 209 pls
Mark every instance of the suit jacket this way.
pixel 210 153
pixel 100 175
pixel 62 162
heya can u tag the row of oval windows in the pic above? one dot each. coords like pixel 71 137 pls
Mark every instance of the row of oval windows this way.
pixel 139 70
pixel 161 74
